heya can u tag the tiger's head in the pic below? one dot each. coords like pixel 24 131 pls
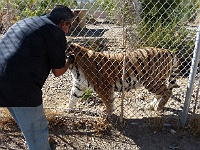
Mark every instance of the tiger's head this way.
pixel 76 49
pixel 79 52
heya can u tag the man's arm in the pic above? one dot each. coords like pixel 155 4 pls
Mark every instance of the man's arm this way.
pixel 59 72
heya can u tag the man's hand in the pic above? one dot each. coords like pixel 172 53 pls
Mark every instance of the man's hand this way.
pixel 71 57
pixel 61 71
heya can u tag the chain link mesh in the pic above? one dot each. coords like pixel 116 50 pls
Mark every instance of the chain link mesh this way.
pixel 115 26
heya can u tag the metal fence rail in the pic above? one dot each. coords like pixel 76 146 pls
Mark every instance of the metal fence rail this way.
pixel 112 26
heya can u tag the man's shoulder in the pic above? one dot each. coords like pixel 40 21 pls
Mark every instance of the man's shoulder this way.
pixel 52 29
pixel 38 21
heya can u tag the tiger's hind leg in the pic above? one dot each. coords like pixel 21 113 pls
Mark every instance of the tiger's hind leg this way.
pixel 165 97
pixel 174 74
pixel 172 81
pixel 159 102
pixel 162 92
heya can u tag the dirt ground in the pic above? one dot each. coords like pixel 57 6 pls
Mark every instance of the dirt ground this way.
pixel 87 129
pixel 79 134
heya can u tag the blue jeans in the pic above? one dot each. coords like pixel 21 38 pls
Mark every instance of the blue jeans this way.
pixel 34 126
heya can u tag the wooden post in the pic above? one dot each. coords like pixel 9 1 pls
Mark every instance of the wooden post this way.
pixel 79 19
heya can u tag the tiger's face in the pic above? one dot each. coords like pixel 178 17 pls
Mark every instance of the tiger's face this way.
pixel 70 48
pixel 75 49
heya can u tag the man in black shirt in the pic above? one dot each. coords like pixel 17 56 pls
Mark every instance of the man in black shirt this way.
pixel 29 50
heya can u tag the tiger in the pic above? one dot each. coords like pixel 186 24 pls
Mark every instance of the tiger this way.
pixel 154 68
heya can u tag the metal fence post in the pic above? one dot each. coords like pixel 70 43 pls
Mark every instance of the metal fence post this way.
pixel 193 71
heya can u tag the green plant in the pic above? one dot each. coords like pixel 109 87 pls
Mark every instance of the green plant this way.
pixel 109 6
pixel 28 8
pixel 163 25
pixel 87 94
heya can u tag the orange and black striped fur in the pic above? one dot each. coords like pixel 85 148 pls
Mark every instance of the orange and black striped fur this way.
pixel 153 68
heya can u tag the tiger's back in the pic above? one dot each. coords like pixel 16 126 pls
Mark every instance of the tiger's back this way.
pixel 144 66
pixel 150 67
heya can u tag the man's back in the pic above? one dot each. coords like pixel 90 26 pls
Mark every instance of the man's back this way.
pixel 25 62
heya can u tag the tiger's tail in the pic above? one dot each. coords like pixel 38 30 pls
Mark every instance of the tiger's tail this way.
pixel 174 74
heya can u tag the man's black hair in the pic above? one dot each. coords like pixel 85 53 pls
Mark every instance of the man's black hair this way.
pixel 59 13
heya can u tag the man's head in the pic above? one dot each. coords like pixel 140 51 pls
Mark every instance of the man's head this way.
pixel 62 16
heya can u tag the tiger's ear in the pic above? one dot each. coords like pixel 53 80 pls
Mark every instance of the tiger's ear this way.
pixel 69 43
pixel 71 47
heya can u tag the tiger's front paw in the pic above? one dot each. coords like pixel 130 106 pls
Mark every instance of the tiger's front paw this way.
pixel 154 106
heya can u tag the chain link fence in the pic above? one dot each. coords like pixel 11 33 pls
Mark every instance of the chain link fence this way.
pixel 112 26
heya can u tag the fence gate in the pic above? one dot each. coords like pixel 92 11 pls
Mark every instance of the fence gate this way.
pixel 115 28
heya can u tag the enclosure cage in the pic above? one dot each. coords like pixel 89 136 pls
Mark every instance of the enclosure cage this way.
pixel 118 27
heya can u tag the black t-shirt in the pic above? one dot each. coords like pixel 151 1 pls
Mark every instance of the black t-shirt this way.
pixel 28 51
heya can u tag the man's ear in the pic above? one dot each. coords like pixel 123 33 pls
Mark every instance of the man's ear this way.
pixel 63 23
